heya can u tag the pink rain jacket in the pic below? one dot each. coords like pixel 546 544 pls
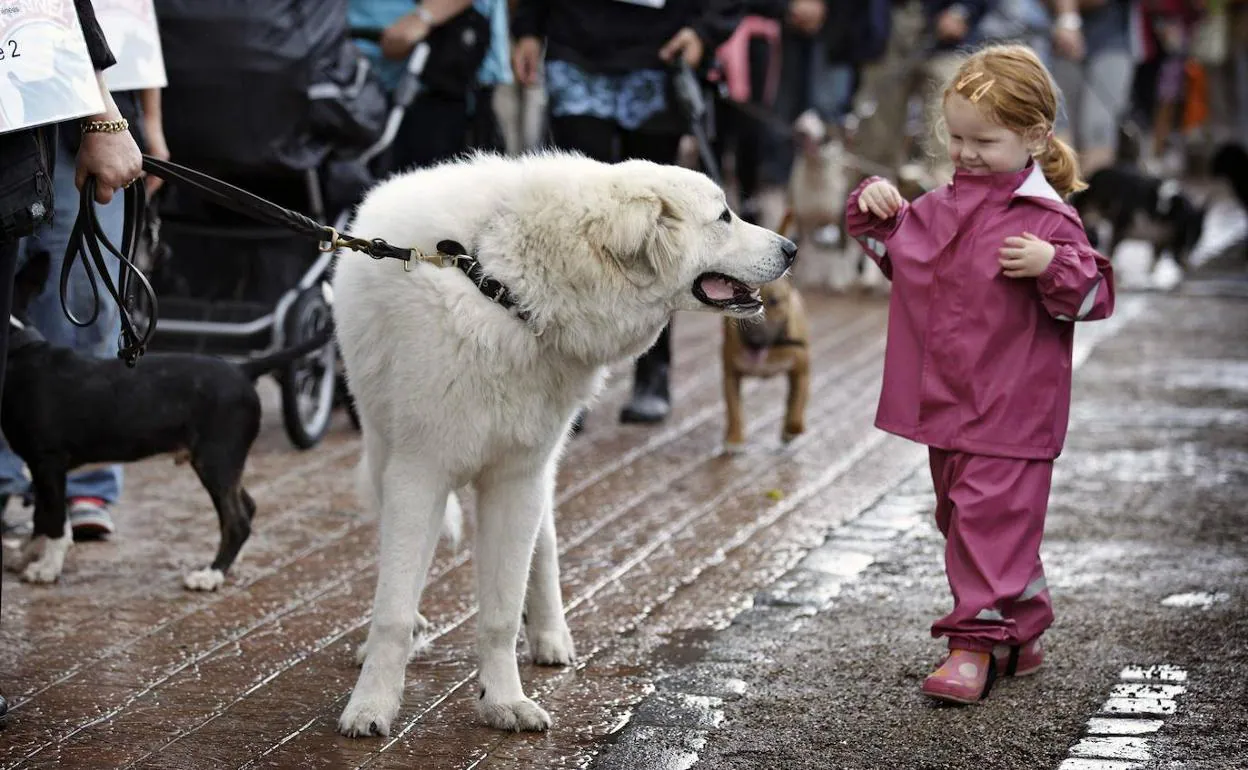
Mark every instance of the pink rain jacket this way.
pixel 975 361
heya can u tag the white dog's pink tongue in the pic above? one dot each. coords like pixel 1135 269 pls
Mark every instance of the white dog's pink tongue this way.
pixel 717 288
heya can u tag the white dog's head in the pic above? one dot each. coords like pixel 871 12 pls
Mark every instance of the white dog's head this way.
pixel 670 234
pixel 603 254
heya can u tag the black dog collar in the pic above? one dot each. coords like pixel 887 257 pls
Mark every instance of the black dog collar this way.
pixel 457 255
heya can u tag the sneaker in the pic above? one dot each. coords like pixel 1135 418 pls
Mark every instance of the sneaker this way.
pixel 964 677
pixel 89 518
pixel 1019 659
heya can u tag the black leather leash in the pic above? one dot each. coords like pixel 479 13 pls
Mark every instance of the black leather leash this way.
pixel 88 236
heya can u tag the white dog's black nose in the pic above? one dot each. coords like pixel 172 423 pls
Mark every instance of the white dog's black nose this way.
pixel 789 249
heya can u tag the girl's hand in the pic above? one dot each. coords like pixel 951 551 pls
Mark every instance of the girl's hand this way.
pixel 881 199
pixel 1025 257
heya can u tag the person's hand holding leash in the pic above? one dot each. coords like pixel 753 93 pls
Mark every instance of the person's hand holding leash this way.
pixel 881 199
pixel 108 150
pixel 526 58
pixel 685 43
pixel 1026 256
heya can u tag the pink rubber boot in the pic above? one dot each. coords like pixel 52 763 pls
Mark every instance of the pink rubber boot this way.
pixel 964 677
pixel 1019 660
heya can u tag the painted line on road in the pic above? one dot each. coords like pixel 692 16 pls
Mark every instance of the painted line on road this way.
pixel 1118 737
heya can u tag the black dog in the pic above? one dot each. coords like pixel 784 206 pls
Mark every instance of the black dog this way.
pixel 1137 205
pixel 62 410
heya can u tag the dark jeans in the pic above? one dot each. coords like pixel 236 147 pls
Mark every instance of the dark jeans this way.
pixel 605 141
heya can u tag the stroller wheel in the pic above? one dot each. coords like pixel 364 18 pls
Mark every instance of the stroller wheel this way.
pixel 309 383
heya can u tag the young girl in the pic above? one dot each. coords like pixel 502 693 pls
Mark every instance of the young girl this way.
pixel 988 275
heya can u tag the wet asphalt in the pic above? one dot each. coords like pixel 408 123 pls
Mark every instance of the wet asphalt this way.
pixel 1150 502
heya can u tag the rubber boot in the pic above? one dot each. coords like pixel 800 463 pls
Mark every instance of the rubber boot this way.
pixel 651 399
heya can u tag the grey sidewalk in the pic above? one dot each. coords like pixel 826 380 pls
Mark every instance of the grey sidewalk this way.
pixel 1150 503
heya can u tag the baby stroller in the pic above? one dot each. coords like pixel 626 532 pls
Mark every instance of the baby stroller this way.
pixel 273 98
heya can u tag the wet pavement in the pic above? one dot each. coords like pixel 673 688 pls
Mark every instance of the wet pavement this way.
pixel 664 542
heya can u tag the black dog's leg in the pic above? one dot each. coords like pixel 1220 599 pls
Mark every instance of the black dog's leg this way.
pixel 51 538
pixel 222 478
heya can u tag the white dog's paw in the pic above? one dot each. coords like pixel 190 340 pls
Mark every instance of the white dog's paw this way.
pixel 551 647
pixel 206 579
pixel 733 448
pixel 365 717
pixel 518 716
pixel 42 570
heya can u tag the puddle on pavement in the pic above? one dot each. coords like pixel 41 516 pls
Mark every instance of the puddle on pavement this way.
pixel 1202 600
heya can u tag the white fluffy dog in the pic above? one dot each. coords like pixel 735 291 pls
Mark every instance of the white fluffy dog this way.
pixel 455 389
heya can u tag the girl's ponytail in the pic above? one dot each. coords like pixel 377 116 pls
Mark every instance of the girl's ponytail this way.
pixel 1061 167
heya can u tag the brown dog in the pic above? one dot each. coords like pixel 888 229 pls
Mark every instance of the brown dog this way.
pixel 764 348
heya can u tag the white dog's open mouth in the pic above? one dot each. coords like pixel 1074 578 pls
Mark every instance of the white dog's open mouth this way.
pixel 724 292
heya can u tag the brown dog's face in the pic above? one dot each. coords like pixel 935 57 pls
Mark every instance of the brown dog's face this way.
pixel 763 333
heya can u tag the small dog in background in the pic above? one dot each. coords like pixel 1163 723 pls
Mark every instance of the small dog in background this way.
pixel 1138 206
pixel 775 345
pixel 816 205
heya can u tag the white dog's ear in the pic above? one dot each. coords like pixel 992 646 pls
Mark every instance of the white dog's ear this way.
pixel 634 234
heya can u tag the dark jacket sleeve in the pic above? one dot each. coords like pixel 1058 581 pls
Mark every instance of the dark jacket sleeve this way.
pixel 101 55
pixel 717 22
pixel 528 19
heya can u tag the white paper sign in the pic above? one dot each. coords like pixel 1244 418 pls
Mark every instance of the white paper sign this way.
pixel 46 73
pixel 130 27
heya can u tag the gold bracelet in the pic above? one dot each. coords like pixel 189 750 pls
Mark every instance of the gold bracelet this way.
pixel 106 126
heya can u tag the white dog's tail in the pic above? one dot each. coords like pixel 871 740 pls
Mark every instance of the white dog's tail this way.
pixel 366 491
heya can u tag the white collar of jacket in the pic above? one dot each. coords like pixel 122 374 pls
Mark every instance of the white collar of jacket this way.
pixel 1036 186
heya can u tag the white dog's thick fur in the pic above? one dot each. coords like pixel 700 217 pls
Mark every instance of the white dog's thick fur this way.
pixel 453 389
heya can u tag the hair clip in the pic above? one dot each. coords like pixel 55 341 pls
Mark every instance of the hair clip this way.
pixel 979 92
pixel 967 79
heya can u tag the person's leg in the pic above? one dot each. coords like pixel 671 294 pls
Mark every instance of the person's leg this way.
pixel 89 493
pixel 776 146
pixel 992 554
pixel 883 99
pixel 995 524
pixel 1105 99
pixel 592 137
pixel 651 400
pixel 434 129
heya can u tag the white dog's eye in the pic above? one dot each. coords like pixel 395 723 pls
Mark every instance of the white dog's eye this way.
pixel 726 216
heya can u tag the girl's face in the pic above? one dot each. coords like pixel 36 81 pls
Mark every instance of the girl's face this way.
pixel 979 146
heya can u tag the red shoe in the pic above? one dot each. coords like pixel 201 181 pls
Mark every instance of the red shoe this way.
pixel 1019 660
pixel 964 676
